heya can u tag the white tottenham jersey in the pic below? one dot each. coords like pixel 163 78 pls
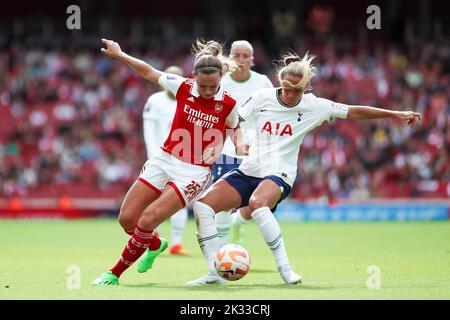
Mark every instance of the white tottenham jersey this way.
pixel 241 91
pixel 280 129
pixel 158 114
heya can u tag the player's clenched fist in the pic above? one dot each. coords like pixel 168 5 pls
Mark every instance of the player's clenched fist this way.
pixel 112 48
pixel 409 116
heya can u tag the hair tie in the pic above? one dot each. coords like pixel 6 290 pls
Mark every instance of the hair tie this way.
pixel 290 60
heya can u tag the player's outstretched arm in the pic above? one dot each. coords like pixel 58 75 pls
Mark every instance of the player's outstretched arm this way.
pixel 144 69
pixel 364 113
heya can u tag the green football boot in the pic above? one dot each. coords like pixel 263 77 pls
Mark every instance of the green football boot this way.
pixel 106 279
pixel 149 257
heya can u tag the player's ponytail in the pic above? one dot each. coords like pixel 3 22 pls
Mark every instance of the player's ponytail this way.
pixel 299 67
pixel 290 58
pixel 209 58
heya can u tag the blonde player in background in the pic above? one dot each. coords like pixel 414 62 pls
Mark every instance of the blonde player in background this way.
pixel 240 83
pixel 282 117
pixel 158 114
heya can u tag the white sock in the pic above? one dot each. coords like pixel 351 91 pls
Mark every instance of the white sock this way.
pixel 206 232
pixel 223 224
pixel 271 232
pixel 178 221
pixel 237 219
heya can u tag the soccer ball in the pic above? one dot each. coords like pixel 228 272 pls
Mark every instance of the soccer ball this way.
pixel 232 262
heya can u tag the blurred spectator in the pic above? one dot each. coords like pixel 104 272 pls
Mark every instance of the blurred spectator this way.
pixel 74 118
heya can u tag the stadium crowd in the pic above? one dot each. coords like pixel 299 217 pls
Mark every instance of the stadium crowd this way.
pixel 71 121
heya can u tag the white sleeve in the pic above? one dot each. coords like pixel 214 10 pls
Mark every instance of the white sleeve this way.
pixel 152 127
pixel 150 110
pixel 333 109
pixel 247 109
pixel 233 118
pixel 267 82
pixel 151 138
pixel 170 82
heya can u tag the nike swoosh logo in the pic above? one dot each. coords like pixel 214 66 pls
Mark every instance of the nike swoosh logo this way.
pixel 228 271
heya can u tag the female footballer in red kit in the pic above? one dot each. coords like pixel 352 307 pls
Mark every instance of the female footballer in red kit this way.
pixel 182 168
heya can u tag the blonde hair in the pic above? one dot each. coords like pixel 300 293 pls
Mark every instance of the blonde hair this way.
pixel 302 68
pixel 174 70
pixel 209 58
pixel 243 43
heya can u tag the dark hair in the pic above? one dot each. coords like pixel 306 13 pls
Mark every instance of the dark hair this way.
pixel 208 64
pixel 289 59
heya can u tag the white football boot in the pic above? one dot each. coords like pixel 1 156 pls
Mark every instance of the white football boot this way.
pixel 209 278
pixel 289 276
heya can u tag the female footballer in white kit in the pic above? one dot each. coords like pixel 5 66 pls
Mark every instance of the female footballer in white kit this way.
pixel 157 115
pixel 240 83
pixel 282 117
pixel 182 168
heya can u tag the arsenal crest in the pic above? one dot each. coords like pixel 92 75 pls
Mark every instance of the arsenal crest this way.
pixel 218 108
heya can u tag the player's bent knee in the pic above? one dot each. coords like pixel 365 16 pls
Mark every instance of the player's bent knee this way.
pixel 210 202
pixel 126 221
pixel 200 207
pixel 256 204
pixel 207 199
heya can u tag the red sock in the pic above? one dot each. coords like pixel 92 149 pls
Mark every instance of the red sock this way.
pixel 136 246
pixel 155 243
pixel 129 231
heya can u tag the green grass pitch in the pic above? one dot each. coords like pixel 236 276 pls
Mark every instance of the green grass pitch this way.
pixel 333 258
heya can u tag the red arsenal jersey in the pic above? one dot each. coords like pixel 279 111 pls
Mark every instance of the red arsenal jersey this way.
pixel 199 124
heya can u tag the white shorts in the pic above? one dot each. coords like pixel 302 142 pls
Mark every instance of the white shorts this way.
pixel 186 179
